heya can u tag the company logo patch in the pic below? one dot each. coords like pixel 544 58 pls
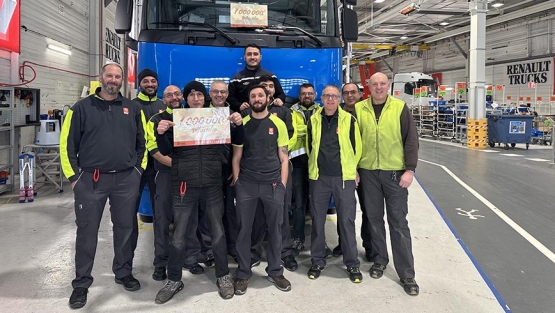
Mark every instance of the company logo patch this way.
pixel 270 131
pixel 275 113
pixel 125 110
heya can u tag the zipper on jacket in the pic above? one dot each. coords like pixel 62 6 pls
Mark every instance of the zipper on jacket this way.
pixel 109 108
pixel 200 165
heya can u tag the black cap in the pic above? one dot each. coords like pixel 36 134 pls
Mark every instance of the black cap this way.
pixel 146 72
pixel 194 86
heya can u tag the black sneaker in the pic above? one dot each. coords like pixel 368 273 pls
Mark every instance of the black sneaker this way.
pixel 129 283
pixel 280 282
pixel 168 291
pixel 209 261
pixel 195 269
pixel 78 298
pixel 241 286
pixel 410 286
pixel 328 252
pixel 254 263
pixel 355 275
pixel 159 273
pixel 290 263
pixel 315 271
pixel 337 251
pixel 234 256
pixel 376 271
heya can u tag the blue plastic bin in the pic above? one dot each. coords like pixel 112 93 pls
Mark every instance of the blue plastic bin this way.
pixel 509 129
pixel 145 207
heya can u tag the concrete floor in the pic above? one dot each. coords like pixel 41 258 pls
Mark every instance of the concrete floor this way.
pixel 37 268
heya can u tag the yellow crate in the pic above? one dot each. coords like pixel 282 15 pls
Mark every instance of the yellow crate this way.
pixel 476 145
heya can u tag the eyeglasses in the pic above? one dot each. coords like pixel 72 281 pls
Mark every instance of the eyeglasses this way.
pixel 334 97
pixel 176 94
pixel 350 92
pixel 307 93
pixel 223 92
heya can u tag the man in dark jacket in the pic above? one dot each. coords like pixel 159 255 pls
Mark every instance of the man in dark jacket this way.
pixel 150 104
pixel 102 153
pixel 196 181
pixel 240 83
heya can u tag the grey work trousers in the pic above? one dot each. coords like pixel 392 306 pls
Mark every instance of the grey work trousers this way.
pixel 163 216
pixel 271 195
pixel 378 186
pixel 122 189
pixel 343 193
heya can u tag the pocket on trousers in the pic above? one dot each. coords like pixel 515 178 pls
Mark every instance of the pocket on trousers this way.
pixel 81 214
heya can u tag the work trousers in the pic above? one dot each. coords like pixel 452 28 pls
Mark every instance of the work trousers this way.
pixel 343 193
pixel 230 213
pixel 185 212
pixel 148 177
pixel 163 216
pixel 300 194
pixel 260 227
pixel 122 189
pixel 365 226
pixel 272 197
pixel 377 186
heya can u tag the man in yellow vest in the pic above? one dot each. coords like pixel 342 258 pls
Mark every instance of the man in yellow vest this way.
pixel 389 157
pixel 334 149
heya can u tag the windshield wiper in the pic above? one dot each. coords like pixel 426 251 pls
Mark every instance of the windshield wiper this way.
pixel 279 28
pixel 217 29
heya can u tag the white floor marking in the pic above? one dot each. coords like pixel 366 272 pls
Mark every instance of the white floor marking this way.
pixel 533 241
pixel 470 214
pixel 536 160
pixel 487 151
pixel 510 154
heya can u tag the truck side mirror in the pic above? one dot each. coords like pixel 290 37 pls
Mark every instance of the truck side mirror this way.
pixel 124 14
pixel 349 25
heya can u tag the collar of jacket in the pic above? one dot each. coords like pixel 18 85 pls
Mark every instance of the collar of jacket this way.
pixel 334 114
pixel 213 106
pixel 97 95
pixel 299 107
pixel 254 70
pixel 146 98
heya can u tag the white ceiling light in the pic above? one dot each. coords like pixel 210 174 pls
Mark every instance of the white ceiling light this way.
pixel 497 4
pixel 379 1
pixel 404 37
pixel 444 23
pixel 59 49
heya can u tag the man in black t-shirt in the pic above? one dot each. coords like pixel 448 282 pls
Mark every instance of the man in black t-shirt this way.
pixel 260 171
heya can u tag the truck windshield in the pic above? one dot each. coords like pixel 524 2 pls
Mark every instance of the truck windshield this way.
pixel 317 17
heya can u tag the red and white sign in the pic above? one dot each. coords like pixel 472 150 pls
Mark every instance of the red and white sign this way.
pixel 9 25
pixel 509 97
pixel 499 87
pixel 396 92
pixel 531 85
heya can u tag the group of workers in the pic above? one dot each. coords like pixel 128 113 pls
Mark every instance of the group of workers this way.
pixel 223 199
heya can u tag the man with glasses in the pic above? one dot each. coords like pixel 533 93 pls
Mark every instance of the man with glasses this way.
pixel 241 82
pixel 196 182
pixel 352 95
pixel 389 158
pixel 301 112
pixel 173 99
pixel 334 149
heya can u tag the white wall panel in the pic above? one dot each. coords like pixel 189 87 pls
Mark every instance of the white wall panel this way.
pixel 5 67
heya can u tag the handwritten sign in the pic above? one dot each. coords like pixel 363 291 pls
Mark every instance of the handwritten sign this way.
pixel 248 15
pixel 206 126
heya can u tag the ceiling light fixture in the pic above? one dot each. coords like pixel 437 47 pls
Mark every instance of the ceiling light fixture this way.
pixel 410 9
pixel 379 1
pixel 59 49
pixel 444 23
pixel 498 4
pixel 404 37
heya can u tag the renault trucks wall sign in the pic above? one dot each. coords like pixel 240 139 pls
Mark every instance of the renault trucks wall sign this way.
pixel 531 73
pixel 9 25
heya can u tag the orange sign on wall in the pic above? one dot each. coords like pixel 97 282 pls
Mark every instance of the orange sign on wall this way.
pixel 528 99
pixel 552 98
pixel 509 97
pixel 499 87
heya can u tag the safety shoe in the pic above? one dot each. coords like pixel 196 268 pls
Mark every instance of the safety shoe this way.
pixel 328 252
pixel 376 271
pixel 355 275
pixel 129 283
pixel 78 298
pixel 254 263
pixel 337 251
pixel 209 261
pixel 280 282
pixel 195 268
pixel 168 291
pixel 315 271
pixel 290 263
pixel 159 273
pixel 297 246
pixel 241 286
pixel 410 286
pixel 225 287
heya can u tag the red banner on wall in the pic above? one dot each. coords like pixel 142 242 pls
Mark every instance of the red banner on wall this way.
pixel 9 25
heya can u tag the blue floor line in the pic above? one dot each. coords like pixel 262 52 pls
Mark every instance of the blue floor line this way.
pixel 467 251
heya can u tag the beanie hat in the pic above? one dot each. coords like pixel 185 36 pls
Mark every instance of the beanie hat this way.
pixel 194 86
pixel 146 72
